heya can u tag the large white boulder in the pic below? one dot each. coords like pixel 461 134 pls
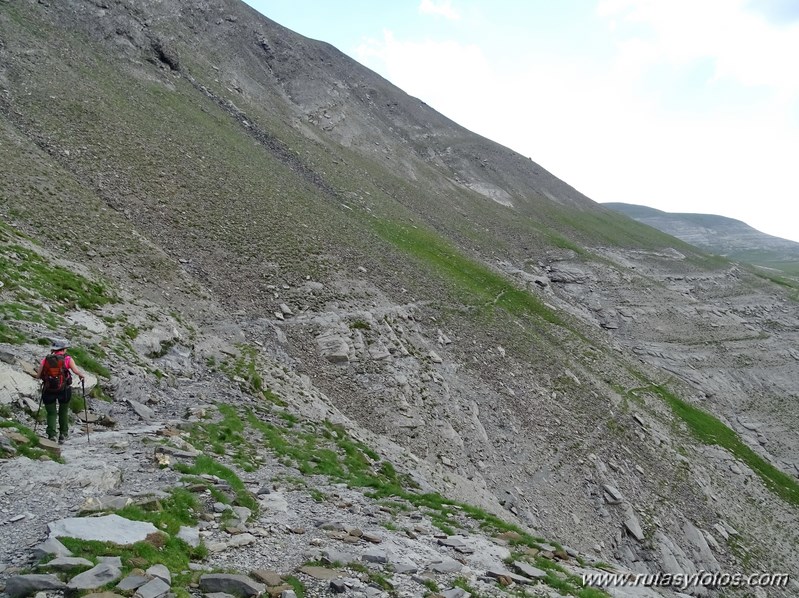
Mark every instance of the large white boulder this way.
pixel 14 383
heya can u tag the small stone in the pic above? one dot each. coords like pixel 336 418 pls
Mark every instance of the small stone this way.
pixel 375 556
pixel 155 588
pixel 369 537
pixel 161 572
pixel 322 573
pixel 338 586
pixel 270 578
pixel 132 582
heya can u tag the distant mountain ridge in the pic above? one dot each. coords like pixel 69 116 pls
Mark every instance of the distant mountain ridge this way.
pixel 718 234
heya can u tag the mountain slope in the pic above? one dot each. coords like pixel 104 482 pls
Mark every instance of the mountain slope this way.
pixel 521 345
pixel 720 235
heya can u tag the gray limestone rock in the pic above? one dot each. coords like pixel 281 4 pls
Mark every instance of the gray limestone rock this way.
pixel 331 556
pixel 240 540
pixel 703 556
pixel 520 579
pixel 445 565
pixel 334 348
pixel 51 546
pixel 632 525
pixel 240 585
pixel 528 570
pixel 108 528
pixel 96 577
pixel 105 503
pixel 161 572
pixel 375 556
pixel 612 494
pixel 190 535
pixel 132 582
pixel 142 410
pixel 155 588
pixel 14 384
pixel 19 586
pixel 66 563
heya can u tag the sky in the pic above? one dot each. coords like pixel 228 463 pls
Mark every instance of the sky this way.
pixel 680 105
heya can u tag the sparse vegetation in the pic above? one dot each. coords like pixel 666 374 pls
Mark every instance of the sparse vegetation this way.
pixel 710 430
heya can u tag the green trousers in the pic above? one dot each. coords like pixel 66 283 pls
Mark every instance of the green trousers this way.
pixel 57 415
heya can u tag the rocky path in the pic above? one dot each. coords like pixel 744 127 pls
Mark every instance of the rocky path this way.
pixel 323 535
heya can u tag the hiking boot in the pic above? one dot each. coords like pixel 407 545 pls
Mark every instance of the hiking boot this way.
pixel 62 438
pixel 51 438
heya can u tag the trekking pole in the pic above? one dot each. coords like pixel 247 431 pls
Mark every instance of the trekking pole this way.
pixel 85 409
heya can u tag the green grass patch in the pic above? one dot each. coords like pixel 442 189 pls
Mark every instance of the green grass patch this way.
pixel 27 274
pixel 10 335
pixel 712 431
pixel 227 433
pixel 431 585
pixel 297 586
pixel 470 279
pixel 24 312
pixel 167 515
pixel 168 551
pixel 131 332
pixel 30 448
pixel 360 325
pixel 381 581
pixel 88 358
pixel 205 464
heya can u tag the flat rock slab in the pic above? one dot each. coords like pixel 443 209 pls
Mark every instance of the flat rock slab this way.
pixel 520 579
pixel 445 565
pixel 19 586
pixel 65 563
pixel 155 588
pixel 190 535
pixel 87 474
pixel 529 571
pixel 142 410
pixel 239 585
pixel 95 578
pixel 161 572
pixel 321 572
pixel 51 546
pixel 331 556
pixel 108 528
pixel 270 578
pixel 132 582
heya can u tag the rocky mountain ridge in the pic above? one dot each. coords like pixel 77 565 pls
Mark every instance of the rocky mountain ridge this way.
pixel 719 234
pixel 538 359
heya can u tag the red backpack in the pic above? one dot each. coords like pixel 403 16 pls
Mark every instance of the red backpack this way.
pixel 54 373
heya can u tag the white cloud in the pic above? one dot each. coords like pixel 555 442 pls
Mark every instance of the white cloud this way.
pixel 743 45
pixel 605 128
pixel 454 78
pixel 443 8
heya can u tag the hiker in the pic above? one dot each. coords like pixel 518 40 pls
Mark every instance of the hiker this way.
pixel 55 373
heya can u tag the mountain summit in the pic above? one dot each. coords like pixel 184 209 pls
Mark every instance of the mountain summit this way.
pixel 324 318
